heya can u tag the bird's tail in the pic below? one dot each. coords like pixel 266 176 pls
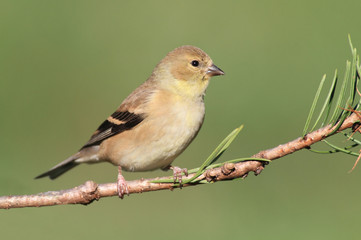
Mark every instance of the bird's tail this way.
pixel 61 168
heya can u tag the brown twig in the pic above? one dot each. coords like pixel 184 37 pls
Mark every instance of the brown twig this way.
pixel 90 191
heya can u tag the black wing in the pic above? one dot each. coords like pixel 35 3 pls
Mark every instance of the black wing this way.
pixel 118 122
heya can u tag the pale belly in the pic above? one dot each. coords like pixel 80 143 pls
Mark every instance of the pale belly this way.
pixel 156 142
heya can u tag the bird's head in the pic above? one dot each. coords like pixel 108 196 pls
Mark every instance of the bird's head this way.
pixel 187 69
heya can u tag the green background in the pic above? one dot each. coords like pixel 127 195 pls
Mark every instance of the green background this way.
pixel 66 65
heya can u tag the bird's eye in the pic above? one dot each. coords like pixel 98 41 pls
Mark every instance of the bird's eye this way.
pixel 195 63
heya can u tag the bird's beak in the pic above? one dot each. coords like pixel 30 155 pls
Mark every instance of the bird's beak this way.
pixel 214 71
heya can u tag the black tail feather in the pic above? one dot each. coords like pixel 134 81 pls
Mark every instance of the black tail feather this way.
pixel 54 173
pixel 60 168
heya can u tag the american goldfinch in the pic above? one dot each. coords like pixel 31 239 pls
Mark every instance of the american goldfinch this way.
pixel 155 123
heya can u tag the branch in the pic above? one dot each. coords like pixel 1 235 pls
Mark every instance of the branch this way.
pixel 90 191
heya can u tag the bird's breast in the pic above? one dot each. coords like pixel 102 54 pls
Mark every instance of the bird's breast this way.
pixel 170 126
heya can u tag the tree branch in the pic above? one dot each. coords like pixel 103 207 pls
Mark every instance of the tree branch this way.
pixel 90 191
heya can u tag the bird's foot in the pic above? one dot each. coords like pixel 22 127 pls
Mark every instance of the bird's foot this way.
pixel 122 185
pixel 177 174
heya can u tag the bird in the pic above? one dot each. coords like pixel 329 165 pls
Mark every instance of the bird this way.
pixel 155 123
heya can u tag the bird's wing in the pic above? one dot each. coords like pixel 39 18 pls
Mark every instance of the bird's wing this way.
pixel 118 122
pixel 127 116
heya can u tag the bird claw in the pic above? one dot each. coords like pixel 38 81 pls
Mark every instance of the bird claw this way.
pixel 177 174
pixel 122 185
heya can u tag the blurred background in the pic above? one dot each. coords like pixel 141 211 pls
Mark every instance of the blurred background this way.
pixel 66 65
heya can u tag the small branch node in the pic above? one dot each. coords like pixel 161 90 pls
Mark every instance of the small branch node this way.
pixel 211 175
pixel 89 192
pixel 258 170
pixel 228 168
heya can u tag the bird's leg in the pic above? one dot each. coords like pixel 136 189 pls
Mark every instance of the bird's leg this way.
pixel 122 185
pixel 177 173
